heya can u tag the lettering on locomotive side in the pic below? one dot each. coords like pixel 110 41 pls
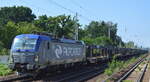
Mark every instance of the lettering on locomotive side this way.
pixel 61 51
pixel 58 51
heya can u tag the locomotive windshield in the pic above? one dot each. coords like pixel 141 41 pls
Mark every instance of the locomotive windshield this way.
pixel 24 43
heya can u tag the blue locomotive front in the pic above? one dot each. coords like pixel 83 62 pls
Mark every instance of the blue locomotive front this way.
pixel 24 51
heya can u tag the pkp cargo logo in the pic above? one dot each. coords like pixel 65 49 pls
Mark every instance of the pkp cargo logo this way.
pixel 58 51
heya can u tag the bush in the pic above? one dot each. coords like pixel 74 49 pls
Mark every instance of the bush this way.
pixel 4 51
pixel 108 71
pixel 116 65
pixel 1 45
pixel 4 70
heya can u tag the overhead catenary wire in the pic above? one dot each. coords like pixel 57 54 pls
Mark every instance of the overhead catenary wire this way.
pixel 37 7
pixel 57 4
pixel 61 6
pixel 77 4
pixel 82 8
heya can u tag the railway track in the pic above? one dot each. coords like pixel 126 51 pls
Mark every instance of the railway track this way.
pixel 14 78
pixel 134 75
pixel 70 75
pixel 76 75
pixel 130 71
pixel 140 78
pixel 82 76
pixel 125 73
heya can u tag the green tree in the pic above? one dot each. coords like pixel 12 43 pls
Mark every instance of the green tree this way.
pixel 88 40
pixel 97 29
pixel 81 33
pixel 25 27
pixel 12 29
pixel 59 26
pixel 102 31
pixel 119 42
pixel 16 14
pixel 8 33
pixel 130 44
pixel 104 41
pixel 94 29
pixel 1 45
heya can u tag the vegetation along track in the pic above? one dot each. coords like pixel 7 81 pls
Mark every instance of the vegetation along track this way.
pixel 125 73
pixel 136 74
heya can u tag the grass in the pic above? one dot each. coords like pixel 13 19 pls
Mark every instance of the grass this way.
pixel 4 70
pixel 116 65
pixel 127 81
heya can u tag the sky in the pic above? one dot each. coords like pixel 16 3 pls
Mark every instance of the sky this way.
pixel 132 16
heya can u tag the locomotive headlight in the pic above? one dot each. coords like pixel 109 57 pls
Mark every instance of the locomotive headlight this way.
pixel 36 58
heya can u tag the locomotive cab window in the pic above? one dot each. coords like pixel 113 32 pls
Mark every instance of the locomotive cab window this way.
pixel 24 43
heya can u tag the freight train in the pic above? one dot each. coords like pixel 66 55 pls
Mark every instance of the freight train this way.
pixel 31 53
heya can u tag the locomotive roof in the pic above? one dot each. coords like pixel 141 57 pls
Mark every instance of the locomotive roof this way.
pixel 45 37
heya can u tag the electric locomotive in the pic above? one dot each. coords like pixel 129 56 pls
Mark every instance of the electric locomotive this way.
pixel 31 52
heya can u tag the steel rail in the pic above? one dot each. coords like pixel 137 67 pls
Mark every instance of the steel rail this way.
pixel 142 73
pixel 85 75
pixel 15 78
pixel 76 75
pixel 89 76
pixel 130 71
